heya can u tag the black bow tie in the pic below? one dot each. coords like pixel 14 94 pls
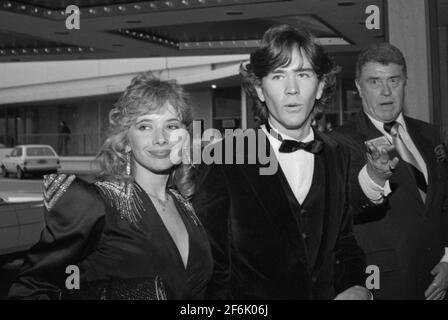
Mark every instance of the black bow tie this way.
pixel 288 146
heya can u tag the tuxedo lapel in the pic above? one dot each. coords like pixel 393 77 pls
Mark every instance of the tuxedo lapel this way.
pixel 324 164
pixel 274 195
pixel 424 147
pixel 366 128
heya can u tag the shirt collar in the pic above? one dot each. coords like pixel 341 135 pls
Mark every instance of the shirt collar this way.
pixel 380 125
pixel 308 138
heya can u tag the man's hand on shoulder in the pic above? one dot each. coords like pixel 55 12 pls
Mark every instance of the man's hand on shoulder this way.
pixel 355 293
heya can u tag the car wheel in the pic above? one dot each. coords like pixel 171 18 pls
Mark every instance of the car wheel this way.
pixel 4 172
pixel 20 173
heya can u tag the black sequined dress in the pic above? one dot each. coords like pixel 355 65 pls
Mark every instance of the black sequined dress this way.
pixel 122 249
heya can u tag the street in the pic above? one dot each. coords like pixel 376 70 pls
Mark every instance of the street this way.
pixel 9 264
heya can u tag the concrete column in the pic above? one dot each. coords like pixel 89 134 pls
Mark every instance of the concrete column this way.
pixel 100 121
pixel 243 109
pixel 340 103
pixel 408 29
pixel 443 62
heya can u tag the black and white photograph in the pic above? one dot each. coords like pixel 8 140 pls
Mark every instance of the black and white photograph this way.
pixel 224 154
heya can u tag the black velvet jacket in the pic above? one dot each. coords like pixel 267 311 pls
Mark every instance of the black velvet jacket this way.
pixel 268 246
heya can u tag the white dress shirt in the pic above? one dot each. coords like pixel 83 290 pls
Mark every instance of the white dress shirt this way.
pixel 298 166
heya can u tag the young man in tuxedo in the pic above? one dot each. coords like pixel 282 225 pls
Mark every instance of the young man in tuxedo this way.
pixel 405 233
pixel 286 235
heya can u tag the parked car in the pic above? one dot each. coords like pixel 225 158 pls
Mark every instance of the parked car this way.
pixel 21 221
pixel 31 158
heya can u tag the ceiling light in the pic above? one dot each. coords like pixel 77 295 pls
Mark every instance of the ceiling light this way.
pixel 335 41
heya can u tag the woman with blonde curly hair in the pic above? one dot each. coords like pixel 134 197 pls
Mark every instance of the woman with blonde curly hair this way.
pixel 131 233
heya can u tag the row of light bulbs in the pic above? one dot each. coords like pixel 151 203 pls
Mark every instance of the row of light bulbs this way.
pixel 189 45
pixel 220 44
pixel 152 5
pixel 8 52
pixel 148 37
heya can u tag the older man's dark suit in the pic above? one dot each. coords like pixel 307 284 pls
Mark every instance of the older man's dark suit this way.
pixel 268 246
pixel 404 237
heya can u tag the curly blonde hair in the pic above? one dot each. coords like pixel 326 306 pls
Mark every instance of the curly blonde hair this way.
pixel 146 94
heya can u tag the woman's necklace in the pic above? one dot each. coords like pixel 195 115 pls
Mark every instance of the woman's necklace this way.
pixel 162 203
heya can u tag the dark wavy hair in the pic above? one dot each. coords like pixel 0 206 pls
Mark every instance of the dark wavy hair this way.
pixel 146 94
pixel 275 51
pixel 384 53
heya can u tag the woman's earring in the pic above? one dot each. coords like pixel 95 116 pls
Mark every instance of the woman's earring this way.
pixel 128 163
pixel 186 159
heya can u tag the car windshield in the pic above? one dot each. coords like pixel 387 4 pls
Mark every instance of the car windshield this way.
pixel 39 151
